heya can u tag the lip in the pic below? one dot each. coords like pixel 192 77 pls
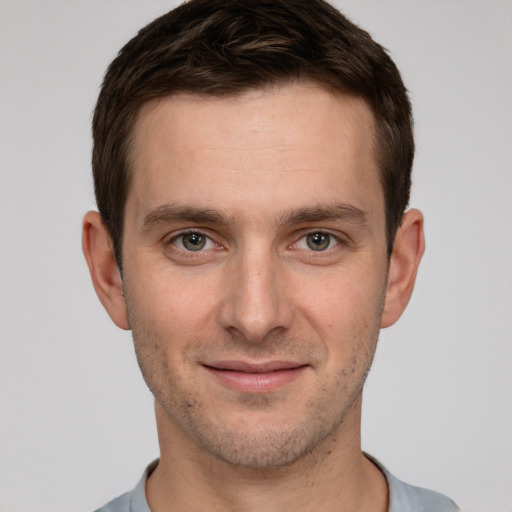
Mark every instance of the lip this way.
pixel 250 377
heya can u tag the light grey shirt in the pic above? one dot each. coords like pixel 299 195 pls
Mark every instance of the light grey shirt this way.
pixel 402 497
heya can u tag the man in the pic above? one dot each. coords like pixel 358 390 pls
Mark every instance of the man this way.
pixel 252 168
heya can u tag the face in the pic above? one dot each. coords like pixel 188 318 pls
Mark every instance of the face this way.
pixel 255 267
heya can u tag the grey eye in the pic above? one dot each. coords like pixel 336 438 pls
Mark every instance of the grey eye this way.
pixel 318 241
pixel 193 241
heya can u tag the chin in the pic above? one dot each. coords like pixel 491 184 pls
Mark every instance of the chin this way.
pixel 269 450
pixel 260 441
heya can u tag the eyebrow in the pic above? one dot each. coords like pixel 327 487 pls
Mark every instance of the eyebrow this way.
pixel 320 213
pixel 170 213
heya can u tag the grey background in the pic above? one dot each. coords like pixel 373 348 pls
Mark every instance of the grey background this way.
pixel 76 421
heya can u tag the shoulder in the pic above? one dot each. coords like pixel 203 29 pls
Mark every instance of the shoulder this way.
pixel 404 497
pixel 133 501
pixel 119 504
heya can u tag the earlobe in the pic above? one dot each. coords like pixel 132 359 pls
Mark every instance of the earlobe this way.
pixel 407 252
pixel 105 275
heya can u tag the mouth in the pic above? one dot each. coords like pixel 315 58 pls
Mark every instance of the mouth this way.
pixel 255 377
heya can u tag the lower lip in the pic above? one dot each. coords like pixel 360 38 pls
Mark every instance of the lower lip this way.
pixel 256 382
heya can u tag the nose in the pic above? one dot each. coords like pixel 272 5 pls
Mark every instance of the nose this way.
pixel 255 303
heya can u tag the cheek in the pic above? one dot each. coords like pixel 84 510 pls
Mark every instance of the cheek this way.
pixel 345 313
pixel 340 300
pixel 173 302
pixel 166 319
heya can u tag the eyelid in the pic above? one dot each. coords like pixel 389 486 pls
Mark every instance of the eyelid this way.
pixel 176 236
pixel 337 237
pixel 303 233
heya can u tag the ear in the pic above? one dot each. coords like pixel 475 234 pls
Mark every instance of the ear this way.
pixel 408 249
pixel 105 275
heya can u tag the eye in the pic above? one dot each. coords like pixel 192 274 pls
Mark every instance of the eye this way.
pixel 317 241
pixel 192 241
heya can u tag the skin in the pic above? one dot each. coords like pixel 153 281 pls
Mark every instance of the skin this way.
pixel 259 178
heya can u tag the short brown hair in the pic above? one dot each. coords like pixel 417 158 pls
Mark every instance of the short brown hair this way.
pixel 225 47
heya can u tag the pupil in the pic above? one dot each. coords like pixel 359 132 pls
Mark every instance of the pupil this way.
pixel 318 241
pixel 194 241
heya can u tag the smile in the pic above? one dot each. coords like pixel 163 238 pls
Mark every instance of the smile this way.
pixel 255 378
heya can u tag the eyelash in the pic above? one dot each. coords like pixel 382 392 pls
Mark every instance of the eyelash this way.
pixel 333 241
pixel 208 240
pixel 189 233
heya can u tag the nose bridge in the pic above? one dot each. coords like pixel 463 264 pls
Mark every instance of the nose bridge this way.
pixel 255 304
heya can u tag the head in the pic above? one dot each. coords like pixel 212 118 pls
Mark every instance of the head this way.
pixel 224 48
pixel 252 165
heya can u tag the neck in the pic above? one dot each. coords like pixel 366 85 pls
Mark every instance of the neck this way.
pixel 334 477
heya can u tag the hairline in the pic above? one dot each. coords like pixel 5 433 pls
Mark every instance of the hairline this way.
pixel 140 109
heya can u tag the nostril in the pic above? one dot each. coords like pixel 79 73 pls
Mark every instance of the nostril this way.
pixel 254 305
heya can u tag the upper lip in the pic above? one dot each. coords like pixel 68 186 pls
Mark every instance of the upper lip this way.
pixel 247 367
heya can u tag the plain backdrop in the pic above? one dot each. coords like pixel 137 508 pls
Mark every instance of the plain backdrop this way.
pixel 76 420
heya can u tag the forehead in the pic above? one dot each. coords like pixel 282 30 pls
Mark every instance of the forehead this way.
pixel 276 144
